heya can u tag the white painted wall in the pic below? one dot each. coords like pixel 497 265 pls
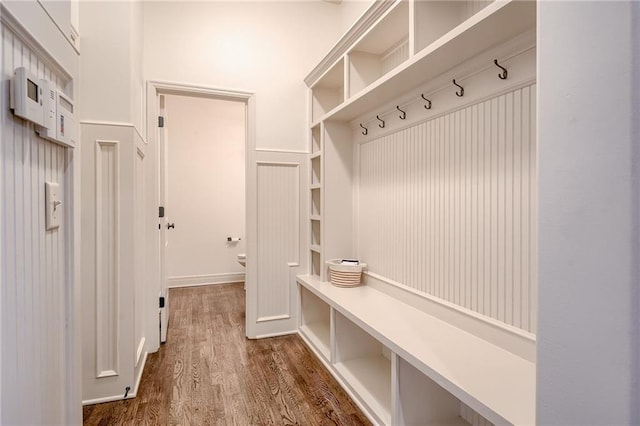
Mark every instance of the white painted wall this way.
pixel 589 310
pixel 262 47
pixel 350 11
pixel 39 367
pixel 206 198
pixel 111 62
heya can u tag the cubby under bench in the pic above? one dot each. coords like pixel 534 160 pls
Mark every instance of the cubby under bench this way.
pixel 404 366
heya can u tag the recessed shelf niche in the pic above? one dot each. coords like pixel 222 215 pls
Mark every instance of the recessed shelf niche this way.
pixel 415 408
pixel 328 92
pixel 316 321
pixel 315 139
pixel 315 233
pixel 365 365
pixel 316 171
pixel 316 266
pixel 433 19
pixel 381 50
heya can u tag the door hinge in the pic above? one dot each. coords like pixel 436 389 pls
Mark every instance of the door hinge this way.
pixel 161 211
pixel 162 302
pixel 160 121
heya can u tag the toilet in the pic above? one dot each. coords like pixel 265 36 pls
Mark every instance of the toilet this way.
pixel 242 259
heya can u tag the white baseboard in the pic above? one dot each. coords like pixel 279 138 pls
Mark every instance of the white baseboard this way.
pixel 279 334
pixel 197 280
pixel 132 393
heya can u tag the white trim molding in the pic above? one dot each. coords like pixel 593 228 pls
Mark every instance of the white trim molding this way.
pixel 107 280
pixel 210 279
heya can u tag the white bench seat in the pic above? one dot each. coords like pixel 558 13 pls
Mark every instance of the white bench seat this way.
pixel 494 382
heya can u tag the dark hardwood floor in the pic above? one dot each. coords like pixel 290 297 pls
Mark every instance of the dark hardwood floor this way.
pixel 209 373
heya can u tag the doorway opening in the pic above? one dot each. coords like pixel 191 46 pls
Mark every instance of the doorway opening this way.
pixel 204 138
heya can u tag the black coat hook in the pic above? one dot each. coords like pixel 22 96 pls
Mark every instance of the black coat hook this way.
pixel 403 115
pixel 365 131
pixel 381 120
pixel 504 74
pixel 461 92
pixel 428 105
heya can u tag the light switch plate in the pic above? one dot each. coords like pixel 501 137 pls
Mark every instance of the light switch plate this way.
pixel 53 205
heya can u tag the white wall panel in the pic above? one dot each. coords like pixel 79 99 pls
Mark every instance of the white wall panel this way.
pixel 35 278
pixel 278 216
pixel 115 298
pixel 107 268
pixel 447 207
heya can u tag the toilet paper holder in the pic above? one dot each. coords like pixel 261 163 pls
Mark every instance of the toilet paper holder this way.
pixel 233 239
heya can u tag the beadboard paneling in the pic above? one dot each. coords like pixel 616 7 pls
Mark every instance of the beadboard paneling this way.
pixel 107 270
pixel 35 285
pixel 395 56
pixel 447 207
pixel 278 237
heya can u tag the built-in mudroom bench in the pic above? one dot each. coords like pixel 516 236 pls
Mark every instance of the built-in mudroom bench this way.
pixel 404 365
pixel 423 164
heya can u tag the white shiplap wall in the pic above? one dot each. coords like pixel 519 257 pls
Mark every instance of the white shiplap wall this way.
pixel 447 207
pixel 35 289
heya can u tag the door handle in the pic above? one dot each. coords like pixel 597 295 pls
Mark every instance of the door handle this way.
pixel 171 225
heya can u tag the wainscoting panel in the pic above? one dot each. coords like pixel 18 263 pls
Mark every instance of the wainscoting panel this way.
pixel 115 299
pixel 278 215
pixel 107 268
pixel 447 207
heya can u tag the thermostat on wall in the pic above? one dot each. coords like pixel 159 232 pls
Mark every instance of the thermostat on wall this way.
pixel 26 96
pixel 59 122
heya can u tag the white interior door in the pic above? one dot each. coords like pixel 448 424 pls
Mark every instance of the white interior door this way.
pixel 163 221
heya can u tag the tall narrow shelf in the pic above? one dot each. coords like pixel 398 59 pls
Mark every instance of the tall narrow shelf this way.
pixel 315 209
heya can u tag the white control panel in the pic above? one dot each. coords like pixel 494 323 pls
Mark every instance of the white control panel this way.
pixel 60 123
pixel 26 96
pixel 53 203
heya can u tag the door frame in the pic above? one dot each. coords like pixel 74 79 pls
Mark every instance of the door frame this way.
pixel 154 89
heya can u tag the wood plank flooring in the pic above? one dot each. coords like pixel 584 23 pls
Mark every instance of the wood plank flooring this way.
pixel 209 373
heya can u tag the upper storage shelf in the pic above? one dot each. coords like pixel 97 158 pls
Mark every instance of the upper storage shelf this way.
pixel 380 50
pixel 328 92
pixel 444 34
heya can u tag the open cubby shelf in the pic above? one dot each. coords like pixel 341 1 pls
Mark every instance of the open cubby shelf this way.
pixel 446 33
pixel 315 322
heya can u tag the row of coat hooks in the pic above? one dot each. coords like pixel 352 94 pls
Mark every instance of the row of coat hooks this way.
pixel 427 102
